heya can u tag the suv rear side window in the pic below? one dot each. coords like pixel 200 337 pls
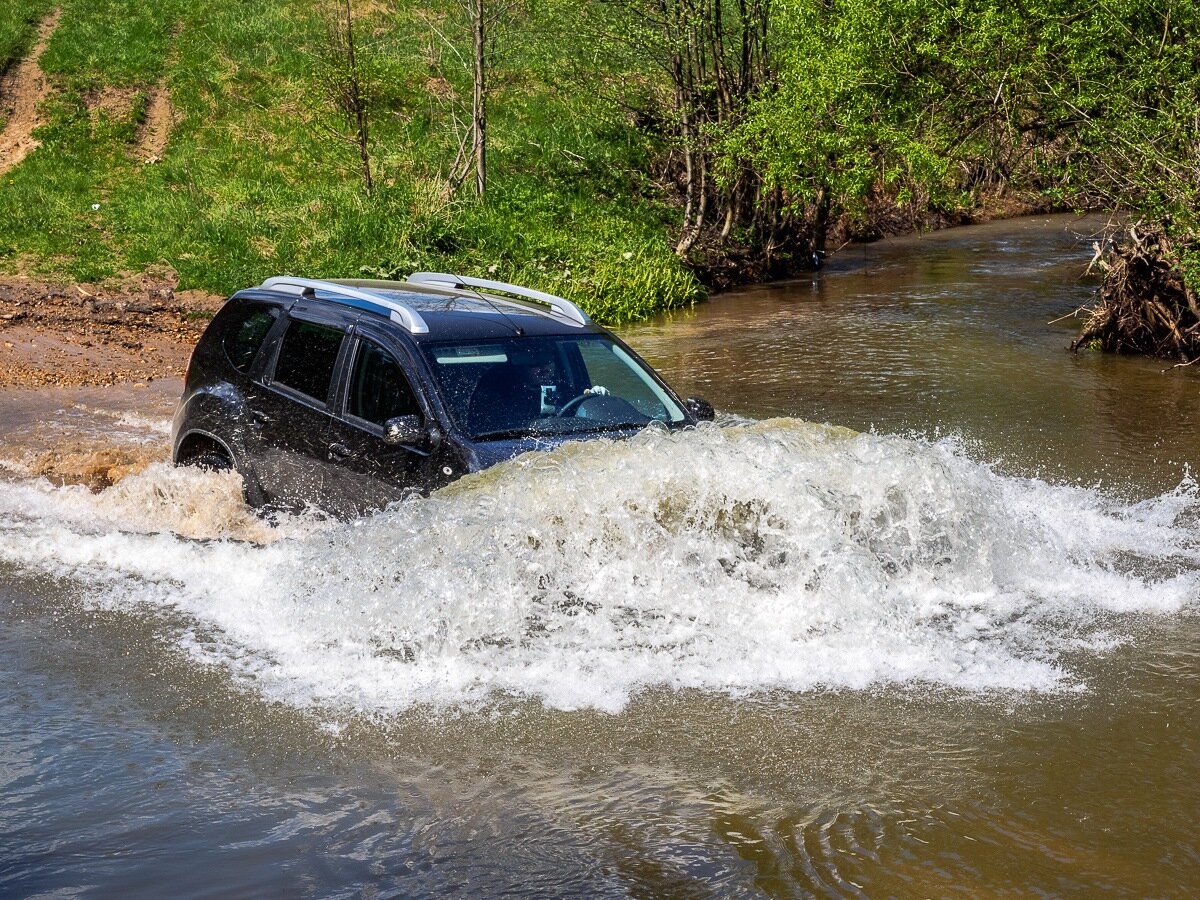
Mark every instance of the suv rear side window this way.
pixel 245 333
pixel 308 357
pixel 379 389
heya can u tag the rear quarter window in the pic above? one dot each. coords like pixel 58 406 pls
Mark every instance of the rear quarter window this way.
pixel 244 334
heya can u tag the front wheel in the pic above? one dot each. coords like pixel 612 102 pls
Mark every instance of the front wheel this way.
pixel 210 460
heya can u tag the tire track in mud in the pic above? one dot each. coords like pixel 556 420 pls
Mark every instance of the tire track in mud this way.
pixel 22 92
pixel 158 120
pixel 155 129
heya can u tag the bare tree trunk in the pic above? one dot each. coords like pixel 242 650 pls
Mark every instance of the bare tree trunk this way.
pixel 479 100
pixel 715 53
pixel 682 104
pixel 821 221
pixel 357 103
pixel 730 215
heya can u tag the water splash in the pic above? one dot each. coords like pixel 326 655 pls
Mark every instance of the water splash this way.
pixel 772 556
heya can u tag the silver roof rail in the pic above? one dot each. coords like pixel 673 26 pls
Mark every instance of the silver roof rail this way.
pixel 564 308
pixel 397 312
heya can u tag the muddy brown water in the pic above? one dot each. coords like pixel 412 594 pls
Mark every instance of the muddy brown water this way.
pixel 946 333
pixel 918 619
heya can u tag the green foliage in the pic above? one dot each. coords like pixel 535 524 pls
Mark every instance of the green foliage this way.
pixel 110 42
pixel 18 21
pixel 936 103
pixel 258 179
pixel 615 265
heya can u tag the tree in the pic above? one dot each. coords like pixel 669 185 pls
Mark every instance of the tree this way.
pixel 711 57
pixel 937 105
pixel 346 84
pixel 483 18
pixel 475 10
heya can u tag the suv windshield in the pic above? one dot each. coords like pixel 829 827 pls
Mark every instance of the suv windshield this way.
pixel 523 386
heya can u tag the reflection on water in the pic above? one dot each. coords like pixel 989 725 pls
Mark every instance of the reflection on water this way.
pixel 945 333
pixel 772 658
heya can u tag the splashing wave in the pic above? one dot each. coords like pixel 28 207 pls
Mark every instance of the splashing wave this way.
pixel 778 555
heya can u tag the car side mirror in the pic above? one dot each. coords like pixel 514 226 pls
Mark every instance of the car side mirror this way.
pixel 404 430
pixel 700 408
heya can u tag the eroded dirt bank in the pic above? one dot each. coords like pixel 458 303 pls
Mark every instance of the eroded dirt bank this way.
pixel 22 92
pixel 89 375
pixel 82 334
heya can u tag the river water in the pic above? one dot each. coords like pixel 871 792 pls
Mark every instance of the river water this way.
pixel 918 618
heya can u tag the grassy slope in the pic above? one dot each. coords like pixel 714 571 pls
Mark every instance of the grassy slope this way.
pixel 17 21
pixel 254 182
pixel 18 25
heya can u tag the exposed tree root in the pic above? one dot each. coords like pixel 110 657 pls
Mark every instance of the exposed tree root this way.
pixel 1144 306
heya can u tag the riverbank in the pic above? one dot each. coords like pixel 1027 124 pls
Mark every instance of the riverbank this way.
pixel 137 330
pixel 89 375
pixel 161 137
pixel 55 334
pixel 160 140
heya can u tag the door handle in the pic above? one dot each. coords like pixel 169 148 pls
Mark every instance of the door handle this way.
pixel 338 452
pixel 260 418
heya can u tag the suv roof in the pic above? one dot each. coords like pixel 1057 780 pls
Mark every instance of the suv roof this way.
pixel 438 305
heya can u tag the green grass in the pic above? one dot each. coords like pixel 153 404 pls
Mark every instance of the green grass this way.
pixel 18 26
pixel 255 182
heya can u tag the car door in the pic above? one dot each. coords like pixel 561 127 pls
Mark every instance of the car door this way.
pixel 367 471
pixel 290 411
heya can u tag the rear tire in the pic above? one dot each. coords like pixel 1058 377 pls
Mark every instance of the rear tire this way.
pixel 212 457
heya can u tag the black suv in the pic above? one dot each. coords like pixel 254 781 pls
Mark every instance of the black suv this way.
pixel 350 394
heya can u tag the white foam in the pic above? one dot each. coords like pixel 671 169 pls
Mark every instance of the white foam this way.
pixel 772 556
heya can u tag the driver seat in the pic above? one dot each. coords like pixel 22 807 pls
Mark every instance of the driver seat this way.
pixel 503 400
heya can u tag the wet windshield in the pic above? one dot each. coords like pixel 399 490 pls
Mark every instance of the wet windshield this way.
pixel 547 386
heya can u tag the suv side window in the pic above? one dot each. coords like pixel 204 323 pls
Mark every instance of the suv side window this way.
pixel 379 389
pixel 244 334
pixel 308 358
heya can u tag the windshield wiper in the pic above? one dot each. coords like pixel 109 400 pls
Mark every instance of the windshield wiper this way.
pixel 507 435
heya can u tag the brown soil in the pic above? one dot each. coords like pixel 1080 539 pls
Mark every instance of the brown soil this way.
pixel 114 102
pixel 21 93
pixel 370 9
pixel 82 334
pixel 155 130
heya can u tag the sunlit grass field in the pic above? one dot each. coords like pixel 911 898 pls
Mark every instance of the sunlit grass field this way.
pixel 258 178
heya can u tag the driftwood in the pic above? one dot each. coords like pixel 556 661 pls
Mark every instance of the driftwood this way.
pixel 1144 306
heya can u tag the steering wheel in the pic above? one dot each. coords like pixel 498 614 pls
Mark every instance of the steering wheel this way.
pixel 572 406
pixel 603 409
